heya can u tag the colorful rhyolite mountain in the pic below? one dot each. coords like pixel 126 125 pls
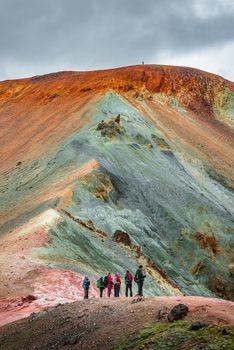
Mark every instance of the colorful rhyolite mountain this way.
pixel 101 171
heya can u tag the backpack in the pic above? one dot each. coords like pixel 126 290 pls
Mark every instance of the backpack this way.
pixel 128 278
pixel 117 282
pixel 136 277
pixel 98 283
pixel 86 284
pixel 105 282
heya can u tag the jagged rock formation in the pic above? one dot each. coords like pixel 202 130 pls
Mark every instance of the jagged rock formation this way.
pixel 146 150
pixel 122 237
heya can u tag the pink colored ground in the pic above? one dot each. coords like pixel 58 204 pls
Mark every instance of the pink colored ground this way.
pixel 52 287
pixel 21 275
pixel 17 266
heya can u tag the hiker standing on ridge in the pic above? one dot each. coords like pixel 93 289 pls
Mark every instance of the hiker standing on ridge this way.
pixel 105 282
pixel 117 285
pixel 110 284
pixel 100 285
pixel 139 279
pixel 128 283
pixel 86 285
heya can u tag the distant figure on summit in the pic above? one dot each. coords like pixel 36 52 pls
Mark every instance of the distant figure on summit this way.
pixel 86 285
pixel 139 279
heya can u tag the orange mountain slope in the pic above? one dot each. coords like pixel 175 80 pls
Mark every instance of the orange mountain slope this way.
pixel 38 112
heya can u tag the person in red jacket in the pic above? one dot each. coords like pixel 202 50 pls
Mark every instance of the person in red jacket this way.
pixel 117 285
pixel 128 283
pixel 110 284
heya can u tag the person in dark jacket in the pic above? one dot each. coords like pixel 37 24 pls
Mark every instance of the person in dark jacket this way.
pixel 139 279
pixel 117 284
pixel 101 285
pixel 128 283
pixel 86 285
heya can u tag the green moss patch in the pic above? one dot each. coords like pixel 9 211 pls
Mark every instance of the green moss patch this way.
pixel 177 335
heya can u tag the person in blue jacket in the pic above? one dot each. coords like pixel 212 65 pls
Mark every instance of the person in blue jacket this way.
pixel 86 285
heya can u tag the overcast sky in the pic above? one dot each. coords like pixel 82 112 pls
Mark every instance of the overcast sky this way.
pixel 42 36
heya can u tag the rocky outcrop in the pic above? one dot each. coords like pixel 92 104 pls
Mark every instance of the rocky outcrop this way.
pixel 87 224
pixel 207 241
pixel 177 312
pixel 111 127
pixel 122 237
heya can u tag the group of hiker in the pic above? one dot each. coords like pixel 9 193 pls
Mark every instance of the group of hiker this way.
pixel 109 283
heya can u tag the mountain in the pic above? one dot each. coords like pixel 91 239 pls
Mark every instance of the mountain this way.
pixel 104 170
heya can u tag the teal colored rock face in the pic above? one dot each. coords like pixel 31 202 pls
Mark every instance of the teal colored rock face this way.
pixel 141 187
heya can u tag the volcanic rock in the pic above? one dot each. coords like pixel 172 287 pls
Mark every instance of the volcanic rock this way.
pixel 177 312
pixel 122 237
pixel 195 326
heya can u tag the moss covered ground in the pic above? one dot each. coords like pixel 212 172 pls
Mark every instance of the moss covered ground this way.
pixel 174 336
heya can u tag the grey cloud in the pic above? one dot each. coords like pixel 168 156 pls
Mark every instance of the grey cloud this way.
pixel 50 35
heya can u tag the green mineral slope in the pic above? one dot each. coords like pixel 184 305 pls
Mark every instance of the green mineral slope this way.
pixel 181 223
